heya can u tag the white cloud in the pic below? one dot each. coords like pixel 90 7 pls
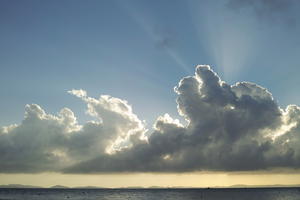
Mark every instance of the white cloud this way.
pixel 79 93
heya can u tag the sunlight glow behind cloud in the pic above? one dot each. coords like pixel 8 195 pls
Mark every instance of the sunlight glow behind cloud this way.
pixel 225 124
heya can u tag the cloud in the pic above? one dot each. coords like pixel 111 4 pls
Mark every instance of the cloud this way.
pixel 266 9
pixel 79 93
pixel 45 142
pixel 274 5
pixel 236 127
pixel 165 38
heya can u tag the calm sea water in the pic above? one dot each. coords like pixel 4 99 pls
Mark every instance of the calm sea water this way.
pixel 152 194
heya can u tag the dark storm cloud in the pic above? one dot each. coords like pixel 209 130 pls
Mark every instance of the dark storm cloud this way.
pixel 229 127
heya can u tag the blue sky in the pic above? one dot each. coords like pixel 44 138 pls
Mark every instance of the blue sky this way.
pixel 139 50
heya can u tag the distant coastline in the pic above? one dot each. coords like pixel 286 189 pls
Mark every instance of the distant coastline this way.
pixel 240 186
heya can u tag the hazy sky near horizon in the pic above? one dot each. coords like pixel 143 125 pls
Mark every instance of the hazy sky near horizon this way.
pixel 148 179
pixel 134 53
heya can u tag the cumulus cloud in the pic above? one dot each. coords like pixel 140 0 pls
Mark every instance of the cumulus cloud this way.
pixel 229 127
pixel 45 142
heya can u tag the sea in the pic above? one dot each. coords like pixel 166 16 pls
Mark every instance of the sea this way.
pixel 153 194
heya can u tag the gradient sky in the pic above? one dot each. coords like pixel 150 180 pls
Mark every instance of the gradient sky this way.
pixel 138 50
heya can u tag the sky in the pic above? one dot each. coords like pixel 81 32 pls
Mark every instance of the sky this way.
pixel 125 90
